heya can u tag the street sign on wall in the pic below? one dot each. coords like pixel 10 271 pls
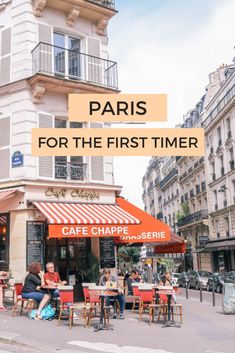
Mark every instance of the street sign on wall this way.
pixel 17 159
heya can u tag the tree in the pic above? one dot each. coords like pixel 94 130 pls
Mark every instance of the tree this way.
pixel 132 251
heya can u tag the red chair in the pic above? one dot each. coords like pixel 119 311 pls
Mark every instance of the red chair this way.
pixel 30 303
pixel 95 302
pixel 67 304
pixel 136 293
pixel 146 301
pixel 162 306
pixel 86 292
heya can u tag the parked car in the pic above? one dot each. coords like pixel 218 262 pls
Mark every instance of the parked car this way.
pixel 183 279
pixel 230 277
pixel 198 278
pixel 174 277
pixel 218 280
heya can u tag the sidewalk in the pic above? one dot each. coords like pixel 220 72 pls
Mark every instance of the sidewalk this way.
pixel 205 330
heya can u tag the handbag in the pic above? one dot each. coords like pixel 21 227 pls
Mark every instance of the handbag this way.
pixel 47 313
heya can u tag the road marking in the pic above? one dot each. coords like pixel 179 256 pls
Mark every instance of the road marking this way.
pixel 113 348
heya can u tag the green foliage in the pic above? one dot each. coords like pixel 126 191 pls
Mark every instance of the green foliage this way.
pixel 92 271
pixel 132 251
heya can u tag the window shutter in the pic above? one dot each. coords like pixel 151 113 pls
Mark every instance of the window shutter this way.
pixel 44 33
pixel 5 70
pixel 45 164
pixel 45 54
pixel 97 162
pixel 5 161
pixel 94 62
pixel 6 42
pixel 4 132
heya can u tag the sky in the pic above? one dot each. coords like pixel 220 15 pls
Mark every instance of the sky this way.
pixel 167 46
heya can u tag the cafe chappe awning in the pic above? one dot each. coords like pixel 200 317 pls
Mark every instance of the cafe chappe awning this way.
pixel 176 245
pixel 122 220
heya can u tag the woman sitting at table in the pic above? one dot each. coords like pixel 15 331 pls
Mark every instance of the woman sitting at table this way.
pixel 107 277
pixel 167 281
pixel 32 288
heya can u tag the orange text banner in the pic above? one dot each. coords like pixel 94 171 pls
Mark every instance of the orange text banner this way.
pixel 118 142
pixel 129 233
pixel 117 107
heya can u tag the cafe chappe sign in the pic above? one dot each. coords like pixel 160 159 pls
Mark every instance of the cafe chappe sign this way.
pixel 75 193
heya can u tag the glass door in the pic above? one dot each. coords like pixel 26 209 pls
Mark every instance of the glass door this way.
pixel 59 54
pixel 67 56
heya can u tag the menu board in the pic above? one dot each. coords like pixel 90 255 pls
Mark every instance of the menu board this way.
pixel 107 253
pixel 35 242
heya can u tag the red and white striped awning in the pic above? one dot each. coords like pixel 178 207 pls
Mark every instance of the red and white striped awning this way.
pixel 69 213
pixel 5 194
pixel 3 220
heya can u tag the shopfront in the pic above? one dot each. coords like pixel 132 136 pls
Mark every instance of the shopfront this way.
pixel 222 254
pixel 76 228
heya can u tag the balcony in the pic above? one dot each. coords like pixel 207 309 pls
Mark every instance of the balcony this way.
pixel 94 10
pixel 106 3
pixel 60 69
pixel 226 100
pixel 169 176
pixel 193 217
pixel 69 171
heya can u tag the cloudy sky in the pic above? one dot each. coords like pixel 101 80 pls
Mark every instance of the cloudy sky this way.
pixel 168 47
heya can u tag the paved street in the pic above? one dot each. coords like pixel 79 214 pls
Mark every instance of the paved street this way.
pixel 205 330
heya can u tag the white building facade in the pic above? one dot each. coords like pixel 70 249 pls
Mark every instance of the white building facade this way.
pixel 49 49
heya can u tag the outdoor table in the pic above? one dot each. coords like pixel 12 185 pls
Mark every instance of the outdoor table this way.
pixel 50 288
pixel 169 293
pixel 103 295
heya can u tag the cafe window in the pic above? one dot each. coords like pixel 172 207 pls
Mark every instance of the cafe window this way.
pixel 4 241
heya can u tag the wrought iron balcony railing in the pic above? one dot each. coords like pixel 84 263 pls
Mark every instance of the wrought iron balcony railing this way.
pixel 73 65
pixel 107 3
pixel 193 217
pixel 71 171
pixel 169 176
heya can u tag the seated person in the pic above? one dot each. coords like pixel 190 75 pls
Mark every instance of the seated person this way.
pixel 52 278
pixel 2 307
pixel 32 288
pixel 106 277
pixel 133 278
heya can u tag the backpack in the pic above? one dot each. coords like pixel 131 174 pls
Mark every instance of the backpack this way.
pixel 47 313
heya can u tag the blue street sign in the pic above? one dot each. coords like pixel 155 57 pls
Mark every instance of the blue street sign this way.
pixel 17 159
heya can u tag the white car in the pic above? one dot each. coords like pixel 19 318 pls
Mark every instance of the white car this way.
pixel 174 277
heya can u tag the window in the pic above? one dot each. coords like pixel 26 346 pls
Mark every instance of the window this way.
pixel 66 55
pixel 4 241
pixel 219 136
pixel 226 226
pixel 228 128
pixel 222 165
pixel 71 168
pixel 217 229
pixel 215 200
pixel 231 161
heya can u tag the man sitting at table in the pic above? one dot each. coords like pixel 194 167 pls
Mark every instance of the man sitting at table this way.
pixel 52 278
pixel 107 277
pixel 133 278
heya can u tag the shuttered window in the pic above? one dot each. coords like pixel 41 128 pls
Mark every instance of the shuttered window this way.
pixel 94 61
pixel 5 163
pixel 5 62
pixel 45 164
pixel 4 132
pixel 97 162
pixel 45 55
